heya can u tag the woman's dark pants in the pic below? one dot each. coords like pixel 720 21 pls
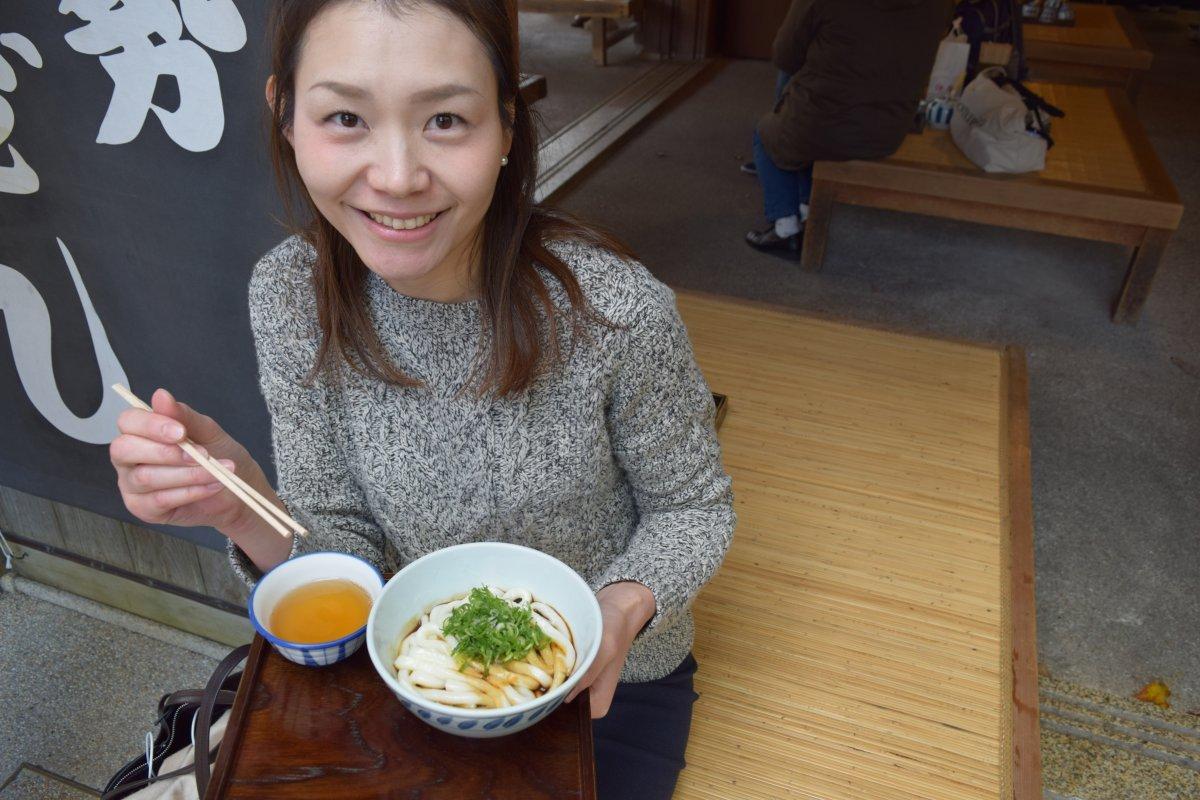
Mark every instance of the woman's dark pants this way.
pixel 640 743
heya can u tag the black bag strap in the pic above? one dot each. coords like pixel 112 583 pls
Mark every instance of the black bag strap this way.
pixel 1033 101
pixel 1036 104
pixel 972 59
pixel 1017 67
pixel 207 699
pixel 225 697
pixel 204 715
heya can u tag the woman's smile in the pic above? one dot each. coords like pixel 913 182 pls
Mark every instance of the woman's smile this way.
pixel 403 229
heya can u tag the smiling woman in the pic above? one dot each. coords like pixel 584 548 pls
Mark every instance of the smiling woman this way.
pixel 425 180
pixel 446 362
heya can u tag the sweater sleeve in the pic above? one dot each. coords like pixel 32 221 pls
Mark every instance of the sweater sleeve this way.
pixel 660 421
pixel 312 476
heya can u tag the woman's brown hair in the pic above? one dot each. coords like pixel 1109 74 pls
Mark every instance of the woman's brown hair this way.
pixel 515 302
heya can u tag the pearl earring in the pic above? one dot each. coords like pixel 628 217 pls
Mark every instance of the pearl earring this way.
pixel 504 161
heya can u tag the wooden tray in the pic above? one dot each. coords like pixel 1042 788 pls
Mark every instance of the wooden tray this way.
pixel 339 732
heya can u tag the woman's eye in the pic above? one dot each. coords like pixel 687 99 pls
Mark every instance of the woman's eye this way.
pixel 444 122
pixel 345 119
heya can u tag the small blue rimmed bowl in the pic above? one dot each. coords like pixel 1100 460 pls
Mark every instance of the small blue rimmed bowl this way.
pixel 296 572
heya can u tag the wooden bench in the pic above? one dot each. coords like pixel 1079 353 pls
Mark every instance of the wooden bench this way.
pixel 533 88
pixel 1103 47
pixel 605 15
pixel 871 634
pixel 1102 181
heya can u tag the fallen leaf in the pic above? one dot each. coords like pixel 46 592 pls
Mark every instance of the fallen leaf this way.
pixel 1156 692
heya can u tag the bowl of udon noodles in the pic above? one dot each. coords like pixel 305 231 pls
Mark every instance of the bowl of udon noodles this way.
pixel 483 639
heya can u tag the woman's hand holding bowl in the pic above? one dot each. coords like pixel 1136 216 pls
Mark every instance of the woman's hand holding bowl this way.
pixel 625 608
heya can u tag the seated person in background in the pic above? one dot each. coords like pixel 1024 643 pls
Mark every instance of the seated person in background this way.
pixel 857 71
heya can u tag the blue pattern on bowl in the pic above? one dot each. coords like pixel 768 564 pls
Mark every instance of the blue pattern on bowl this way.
pixel 312 655
pixel 496 723
pixel 444 720
pixel 466 725
pixel 508 723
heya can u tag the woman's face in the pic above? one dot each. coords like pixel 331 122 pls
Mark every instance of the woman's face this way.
pixel 398 139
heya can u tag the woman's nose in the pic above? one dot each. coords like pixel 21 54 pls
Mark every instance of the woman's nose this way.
pixel 397 168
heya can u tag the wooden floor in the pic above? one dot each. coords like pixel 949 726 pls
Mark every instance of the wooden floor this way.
pixel 856 643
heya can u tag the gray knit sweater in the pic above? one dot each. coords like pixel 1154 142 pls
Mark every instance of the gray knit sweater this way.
pixel 609 462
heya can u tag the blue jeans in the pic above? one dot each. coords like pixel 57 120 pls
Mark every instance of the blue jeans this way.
pixel 783 189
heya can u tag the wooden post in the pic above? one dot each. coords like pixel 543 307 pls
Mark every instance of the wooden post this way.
pixel 599 27
pixel 1142 267
pixel 1026 753
pixel 816 229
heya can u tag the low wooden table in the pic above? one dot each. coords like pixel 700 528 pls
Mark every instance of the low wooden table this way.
pixel 1102 181
pixel 871 633
pixel 604 16
pixel 1103 47
pixel 339 732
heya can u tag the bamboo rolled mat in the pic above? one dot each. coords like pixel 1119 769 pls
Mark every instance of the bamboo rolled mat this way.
pixel 855 643
pixel 1090 146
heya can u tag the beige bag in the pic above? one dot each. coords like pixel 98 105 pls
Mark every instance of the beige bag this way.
pixel 180 787
pixel 991 125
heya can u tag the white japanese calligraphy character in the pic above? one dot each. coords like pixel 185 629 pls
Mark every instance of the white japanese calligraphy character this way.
pixel 138 42
pixel 20 177
pixel 27 319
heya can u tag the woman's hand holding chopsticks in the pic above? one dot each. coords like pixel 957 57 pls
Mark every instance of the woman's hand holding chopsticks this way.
pixel 161 484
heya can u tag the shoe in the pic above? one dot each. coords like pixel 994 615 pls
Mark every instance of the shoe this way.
pixel 750 168
pixel 768 241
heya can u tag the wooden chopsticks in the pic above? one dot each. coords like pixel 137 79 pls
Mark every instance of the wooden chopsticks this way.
pixel 270 512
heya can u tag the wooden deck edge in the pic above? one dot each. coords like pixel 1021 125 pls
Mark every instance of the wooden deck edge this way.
pixel 822 316
pixel 982 213
pixel 1134 34
pixel 237 718
pixel 1148 161
pixel 1092 203
pixel 179 608
pixel 566 153
pixel 1026 756
pixel 1123 59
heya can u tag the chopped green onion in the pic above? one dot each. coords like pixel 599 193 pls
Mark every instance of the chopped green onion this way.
pixel 491 630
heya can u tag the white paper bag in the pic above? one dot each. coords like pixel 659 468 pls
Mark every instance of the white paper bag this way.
pixel 949 67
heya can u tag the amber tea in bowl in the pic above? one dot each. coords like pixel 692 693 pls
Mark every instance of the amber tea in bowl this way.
pixel 313 608
pixel 320 611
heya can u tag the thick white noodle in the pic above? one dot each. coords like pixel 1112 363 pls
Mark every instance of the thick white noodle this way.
pixel 554 626
pixel 425 663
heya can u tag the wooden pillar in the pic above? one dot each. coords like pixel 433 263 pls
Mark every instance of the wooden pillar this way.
pixel 678 29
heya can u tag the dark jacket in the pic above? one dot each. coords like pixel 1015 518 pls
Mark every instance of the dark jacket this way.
pixel 858 69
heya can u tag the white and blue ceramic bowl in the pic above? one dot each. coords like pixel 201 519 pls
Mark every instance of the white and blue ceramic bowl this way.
pixel 454 571
pixel 296 572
